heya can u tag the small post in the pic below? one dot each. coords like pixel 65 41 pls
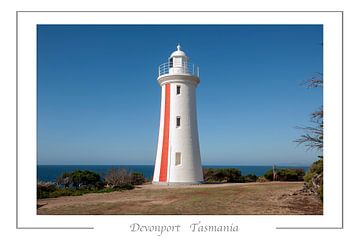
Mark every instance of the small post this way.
pixel 274 173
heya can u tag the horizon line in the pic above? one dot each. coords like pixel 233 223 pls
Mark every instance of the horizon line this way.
pixel 153 165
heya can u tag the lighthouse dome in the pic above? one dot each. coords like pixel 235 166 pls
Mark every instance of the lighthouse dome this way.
pixel 178 53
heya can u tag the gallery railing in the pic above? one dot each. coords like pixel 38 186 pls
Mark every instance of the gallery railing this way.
pixel 184 68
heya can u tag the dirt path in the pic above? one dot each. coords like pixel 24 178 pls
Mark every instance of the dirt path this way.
pixel 215 199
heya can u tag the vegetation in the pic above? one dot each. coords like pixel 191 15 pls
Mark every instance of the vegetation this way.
pixel 222 175
pixel 51 190
pixel 233 175
pixel 117 177
pixel 79 179
pixel 261 179
pixel 137 178
pixel 120 177
pixel 313 139
pixel 226 175
pixel 80 182
pixel 250 178
pixel 313 135
pixel 44 189
pixel 314 178
pixel 286 174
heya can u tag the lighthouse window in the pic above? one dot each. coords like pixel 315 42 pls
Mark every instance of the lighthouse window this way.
pixel 177 158
pixel 178 121
pixel 178 90
pixel 171 62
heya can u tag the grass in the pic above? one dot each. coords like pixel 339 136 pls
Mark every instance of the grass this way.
pixel 244 199
pixel 55 192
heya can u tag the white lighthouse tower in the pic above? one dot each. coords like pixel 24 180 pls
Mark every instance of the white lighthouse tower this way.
pixel 178 152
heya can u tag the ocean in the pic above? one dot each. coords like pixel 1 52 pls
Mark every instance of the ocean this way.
pixel 49 173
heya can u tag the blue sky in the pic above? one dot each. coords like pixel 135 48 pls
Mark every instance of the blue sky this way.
pixel 99 101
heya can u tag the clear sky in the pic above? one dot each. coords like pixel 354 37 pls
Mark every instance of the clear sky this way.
pixel 99 101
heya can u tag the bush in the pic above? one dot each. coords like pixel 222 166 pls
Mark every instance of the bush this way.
pixel 86 178
pixel 116 177
pixel 314 178
pixel 250 178
pixel 44 189
pixel 286 174
pixel 65 192
pixel 137 178
pixel 261 179
pixel 269 175
pixel 81 182
pixel 80 178
pixel 222 175
pixel 60 192
pixel 315 168
pixel 291 174
pixel 64 180
pixel 126 186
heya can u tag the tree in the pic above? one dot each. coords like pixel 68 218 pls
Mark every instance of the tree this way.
pixel 85 178
pixel 64 180
pixel 312 137
pixel 79 178
pixel 117 177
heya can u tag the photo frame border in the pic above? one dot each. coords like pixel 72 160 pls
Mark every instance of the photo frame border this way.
pixel 342 105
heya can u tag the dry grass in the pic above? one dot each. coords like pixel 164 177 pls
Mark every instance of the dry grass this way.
pixel 238 199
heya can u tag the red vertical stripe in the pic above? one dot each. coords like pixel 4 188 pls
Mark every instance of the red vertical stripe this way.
pixel 165 146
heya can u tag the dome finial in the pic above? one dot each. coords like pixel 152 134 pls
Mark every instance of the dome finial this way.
pixel 178 46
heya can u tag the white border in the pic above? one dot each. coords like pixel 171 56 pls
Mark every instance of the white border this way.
pixel 27 22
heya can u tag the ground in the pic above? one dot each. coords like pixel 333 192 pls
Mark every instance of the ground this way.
pixel 272 198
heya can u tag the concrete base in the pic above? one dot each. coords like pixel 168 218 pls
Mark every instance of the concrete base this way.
pixel 177 183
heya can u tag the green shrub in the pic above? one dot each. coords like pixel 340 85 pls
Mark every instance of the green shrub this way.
pixel 105 190
pixel 286 174
pixel 261 179
pixel 320 191
pixel 44 189
pixel 80 178
pixel 250 178
pixel 60 192
pixel 292 174
pixel 269 175
pixel 86 177
pixel 126 186
pixel 315 168
pixel 78 183
pixel 314 178
pixel 137 178
pixel 64 192
pixel 222 175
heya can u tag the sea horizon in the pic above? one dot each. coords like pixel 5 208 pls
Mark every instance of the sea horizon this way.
pixel 50 172
pixel 202 165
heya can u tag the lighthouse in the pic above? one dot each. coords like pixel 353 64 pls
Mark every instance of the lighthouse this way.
pixel 178 152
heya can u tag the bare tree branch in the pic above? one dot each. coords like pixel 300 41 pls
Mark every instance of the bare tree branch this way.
pixel 314 82
pixel 117 177
pixel 317 115
pixel 313 136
